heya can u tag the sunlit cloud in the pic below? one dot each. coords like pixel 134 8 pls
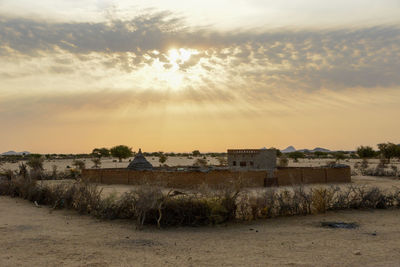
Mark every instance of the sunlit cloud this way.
pixel 155 64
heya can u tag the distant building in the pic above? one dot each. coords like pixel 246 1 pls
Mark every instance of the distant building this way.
pixel 252 159
pixel 140 163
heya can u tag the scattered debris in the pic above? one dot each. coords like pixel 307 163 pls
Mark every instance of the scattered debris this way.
pixel 341 225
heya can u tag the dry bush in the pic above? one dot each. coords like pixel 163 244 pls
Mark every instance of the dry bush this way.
pixel 149 205
pixel 321 199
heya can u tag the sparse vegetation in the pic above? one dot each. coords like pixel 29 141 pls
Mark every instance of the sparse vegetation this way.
pixel 101 152
pixel 150 205
pixel 121 152
pixel 196 153
pixel 389 151
pixel 96 163
pixel 200 162
pixel 163 158
pixel 296 155
pixel 366 152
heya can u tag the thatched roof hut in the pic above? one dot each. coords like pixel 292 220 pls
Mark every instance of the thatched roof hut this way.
pixel 140 163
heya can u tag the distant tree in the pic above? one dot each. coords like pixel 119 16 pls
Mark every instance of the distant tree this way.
pixel 196 153
pixel 296 155
pixel 389 150
pixel 121 152
pixel 339 156
pixel 96 162
pixel 101 152
pixel 320 154
pixel 79 164
pixel 162 158
pixel 365 152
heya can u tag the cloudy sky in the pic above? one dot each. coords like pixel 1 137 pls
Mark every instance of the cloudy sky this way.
pixel 208 75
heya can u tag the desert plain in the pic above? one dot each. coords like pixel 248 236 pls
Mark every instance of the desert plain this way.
pixel 33 235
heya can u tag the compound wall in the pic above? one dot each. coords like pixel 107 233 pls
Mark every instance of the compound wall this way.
pixel 174 178
pixel 186 179
pixel 306 175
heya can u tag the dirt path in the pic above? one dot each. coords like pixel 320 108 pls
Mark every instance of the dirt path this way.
pixel 31 236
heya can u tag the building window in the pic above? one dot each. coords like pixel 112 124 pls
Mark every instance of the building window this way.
pixel 251 163
pixel 243 164
pixel 234 163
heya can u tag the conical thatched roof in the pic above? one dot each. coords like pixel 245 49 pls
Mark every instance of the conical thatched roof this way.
pixel 140 163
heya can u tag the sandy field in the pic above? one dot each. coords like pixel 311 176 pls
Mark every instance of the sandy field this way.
pixel 184 161
pixel 32 236
pixel 113 163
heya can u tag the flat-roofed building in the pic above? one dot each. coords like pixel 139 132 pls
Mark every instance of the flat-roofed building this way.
pixel 252 159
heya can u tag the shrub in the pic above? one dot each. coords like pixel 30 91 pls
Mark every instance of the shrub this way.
pixel 200 163
pixel 36 162
pixel 149 205
pixel 96 162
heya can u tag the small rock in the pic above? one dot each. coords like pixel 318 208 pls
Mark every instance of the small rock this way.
pixel 357 252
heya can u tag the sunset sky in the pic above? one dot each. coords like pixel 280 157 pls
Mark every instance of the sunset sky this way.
pixel 208 75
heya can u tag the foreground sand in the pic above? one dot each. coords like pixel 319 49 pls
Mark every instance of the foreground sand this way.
pixel 31 236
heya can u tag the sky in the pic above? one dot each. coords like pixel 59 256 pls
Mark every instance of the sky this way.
pixel 207 75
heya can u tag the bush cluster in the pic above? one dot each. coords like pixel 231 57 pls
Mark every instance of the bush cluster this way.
pixel 299 201
pixel 146 204
pixel 151 205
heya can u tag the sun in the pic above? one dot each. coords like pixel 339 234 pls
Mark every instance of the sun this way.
pixel 180 56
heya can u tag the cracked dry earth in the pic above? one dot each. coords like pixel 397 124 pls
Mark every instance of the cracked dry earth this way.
pixel 31 236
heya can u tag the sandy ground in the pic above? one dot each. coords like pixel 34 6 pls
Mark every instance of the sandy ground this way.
pixel 32 236
pixel 184 161
pixel 114 163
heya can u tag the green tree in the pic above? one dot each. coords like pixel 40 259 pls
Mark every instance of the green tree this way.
pixel 121 152
pixel 389 150
pixel 320 154
pixel 339 156
pixel 296 155
pixel 101 152
pixel 163 158
pixel 96 162
pixel 79 164
pixel 196 153
pixel 365 152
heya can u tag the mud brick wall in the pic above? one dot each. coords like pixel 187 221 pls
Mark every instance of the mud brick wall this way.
pixel 174 179
pixel 283 177
pixel 306 175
